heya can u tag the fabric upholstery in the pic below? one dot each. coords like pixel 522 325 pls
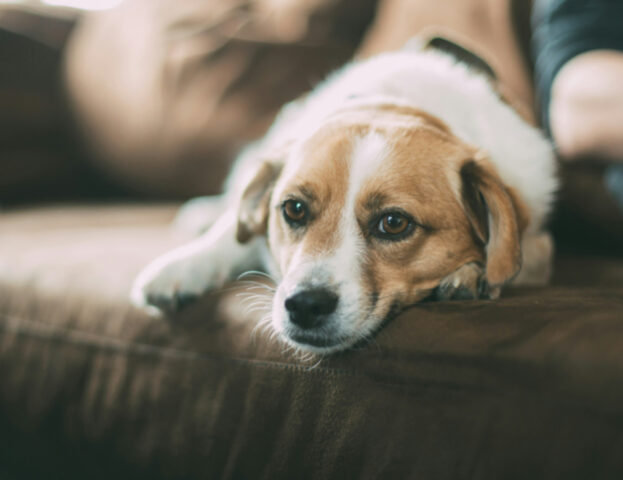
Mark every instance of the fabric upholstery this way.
pixel 529 386
pixel 588 213
pixel 41 155
pixel 33 139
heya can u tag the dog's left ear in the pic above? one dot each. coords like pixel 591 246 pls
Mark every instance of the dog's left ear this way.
pixel 496 220
pixel 255 202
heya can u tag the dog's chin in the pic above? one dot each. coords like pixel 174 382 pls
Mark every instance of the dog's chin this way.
pixel 330 339
pixel 317 343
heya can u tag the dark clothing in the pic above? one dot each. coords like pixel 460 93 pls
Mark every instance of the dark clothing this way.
pixel 563 29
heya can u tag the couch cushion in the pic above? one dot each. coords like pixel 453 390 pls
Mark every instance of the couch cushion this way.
pixel 530 386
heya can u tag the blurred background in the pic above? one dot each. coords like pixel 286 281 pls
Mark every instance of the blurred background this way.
pixel 41 157
pixel 152 100
pixel 155 98
pixel 65 5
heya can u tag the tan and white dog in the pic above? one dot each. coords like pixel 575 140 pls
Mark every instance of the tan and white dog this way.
pixel 401 177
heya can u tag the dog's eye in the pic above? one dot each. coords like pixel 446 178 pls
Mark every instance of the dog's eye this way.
pixel 393 226
pixel 295 212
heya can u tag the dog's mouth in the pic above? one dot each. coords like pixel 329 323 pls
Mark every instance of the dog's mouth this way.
pixel 330 342
pixel 315 340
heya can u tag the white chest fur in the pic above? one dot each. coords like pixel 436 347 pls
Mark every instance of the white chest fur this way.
pixel 462 99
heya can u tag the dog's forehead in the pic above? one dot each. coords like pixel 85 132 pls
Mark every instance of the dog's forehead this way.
pixel 387 154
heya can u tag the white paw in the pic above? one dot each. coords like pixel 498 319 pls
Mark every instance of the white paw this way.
pixel 168 284
pixel 466 283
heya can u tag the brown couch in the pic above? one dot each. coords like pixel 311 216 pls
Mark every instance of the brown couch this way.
pixel 529 386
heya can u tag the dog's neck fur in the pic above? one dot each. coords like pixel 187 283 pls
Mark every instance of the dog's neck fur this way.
pixel 464 99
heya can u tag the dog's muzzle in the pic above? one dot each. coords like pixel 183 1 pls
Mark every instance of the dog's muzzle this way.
pixel 310 314
pixel 310 309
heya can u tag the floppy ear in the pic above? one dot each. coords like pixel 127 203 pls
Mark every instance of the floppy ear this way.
pixel 255 202
pixel 495 220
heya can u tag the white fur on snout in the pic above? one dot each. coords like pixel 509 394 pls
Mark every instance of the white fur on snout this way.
pixel 339 270
pixel 368 155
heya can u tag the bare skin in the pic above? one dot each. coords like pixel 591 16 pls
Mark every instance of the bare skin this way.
pixel 586 110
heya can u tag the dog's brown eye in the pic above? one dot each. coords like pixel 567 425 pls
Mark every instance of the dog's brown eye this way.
pixel 393 226
pixel 295 212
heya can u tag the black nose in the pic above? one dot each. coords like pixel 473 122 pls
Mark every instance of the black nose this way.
pixel 309 308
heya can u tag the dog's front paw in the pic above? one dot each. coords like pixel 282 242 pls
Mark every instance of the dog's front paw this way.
pixel 167 286
pixel 466 283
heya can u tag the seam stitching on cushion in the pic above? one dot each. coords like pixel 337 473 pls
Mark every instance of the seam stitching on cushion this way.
pixel 91 340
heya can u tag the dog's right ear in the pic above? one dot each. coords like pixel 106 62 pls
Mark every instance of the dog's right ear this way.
pixel 496 219
pixel 255 202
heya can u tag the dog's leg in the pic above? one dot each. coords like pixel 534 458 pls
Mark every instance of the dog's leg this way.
pixel 537 251
pixel 177 278
pixel 197 215
pixel 466 283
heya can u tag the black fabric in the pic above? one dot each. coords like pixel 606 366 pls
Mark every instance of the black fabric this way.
pixel 563 29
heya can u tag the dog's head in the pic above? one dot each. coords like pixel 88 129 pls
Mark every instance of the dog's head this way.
pixel 369 216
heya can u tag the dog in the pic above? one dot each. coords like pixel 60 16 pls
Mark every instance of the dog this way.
pixel 401 178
